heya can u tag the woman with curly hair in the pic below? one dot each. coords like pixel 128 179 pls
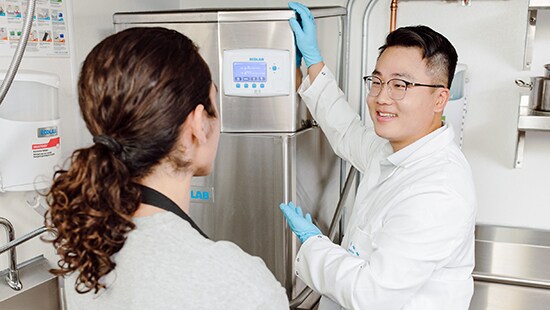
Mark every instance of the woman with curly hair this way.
pixel 119 212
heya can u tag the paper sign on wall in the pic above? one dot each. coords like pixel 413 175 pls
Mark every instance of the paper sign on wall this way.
pixel 48 37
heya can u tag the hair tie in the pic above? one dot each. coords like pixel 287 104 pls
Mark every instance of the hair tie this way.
pixel 110 143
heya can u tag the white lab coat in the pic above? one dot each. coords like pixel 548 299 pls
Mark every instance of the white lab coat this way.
pixel 409 243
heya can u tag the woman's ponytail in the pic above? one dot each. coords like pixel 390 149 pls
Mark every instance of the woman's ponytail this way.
pixel 91 206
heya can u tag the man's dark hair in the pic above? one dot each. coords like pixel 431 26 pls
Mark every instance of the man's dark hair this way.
pixel 440 55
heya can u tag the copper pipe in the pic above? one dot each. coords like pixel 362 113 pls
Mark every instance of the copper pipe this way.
pixel 393 15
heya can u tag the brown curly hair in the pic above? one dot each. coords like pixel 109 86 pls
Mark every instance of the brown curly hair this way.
pixel 136 87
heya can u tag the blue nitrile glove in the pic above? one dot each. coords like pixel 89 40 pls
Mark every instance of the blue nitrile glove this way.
pixel 302 227
pixel 305 34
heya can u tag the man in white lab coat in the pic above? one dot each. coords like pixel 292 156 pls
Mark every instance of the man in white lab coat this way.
pixel 409 243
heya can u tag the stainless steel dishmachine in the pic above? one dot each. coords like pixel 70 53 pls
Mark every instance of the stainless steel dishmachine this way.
pixel 270 151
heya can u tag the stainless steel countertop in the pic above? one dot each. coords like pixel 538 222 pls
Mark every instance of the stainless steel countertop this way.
pixel 495 296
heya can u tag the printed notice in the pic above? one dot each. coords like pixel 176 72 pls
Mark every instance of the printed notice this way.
pixel 41 150
pixel 48 36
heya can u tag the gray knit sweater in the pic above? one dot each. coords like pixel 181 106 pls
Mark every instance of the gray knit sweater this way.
pixel 166 264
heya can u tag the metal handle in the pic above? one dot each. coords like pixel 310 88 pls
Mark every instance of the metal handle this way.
pixel 510 280
pixel 22 239
pixel 521 83
pixel 304 294
pixel 340 207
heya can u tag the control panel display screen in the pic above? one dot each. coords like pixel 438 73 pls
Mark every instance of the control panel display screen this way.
pixel 249 72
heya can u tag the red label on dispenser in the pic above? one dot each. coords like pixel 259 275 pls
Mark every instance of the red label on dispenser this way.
pixel 52 143
pixel 41 150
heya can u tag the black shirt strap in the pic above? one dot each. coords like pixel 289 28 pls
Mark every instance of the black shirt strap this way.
pixel 155 198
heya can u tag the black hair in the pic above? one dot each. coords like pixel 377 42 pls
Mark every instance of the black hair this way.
pixel 439 53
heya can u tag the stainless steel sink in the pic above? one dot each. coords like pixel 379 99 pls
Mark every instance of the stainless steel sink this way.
pixel 511 269
pixel 41 289
pixel 497 296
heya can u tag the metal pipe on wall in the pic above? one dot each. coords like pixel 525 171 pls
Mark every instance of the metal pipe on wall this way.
pixel 393 14
pixel 345 85
pixel 364 53
pixel 345 76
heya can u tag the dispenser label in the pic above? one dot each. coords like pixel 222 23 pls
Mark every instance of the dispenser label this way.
pixel 40 150
pixel 48 148
pixel 47 132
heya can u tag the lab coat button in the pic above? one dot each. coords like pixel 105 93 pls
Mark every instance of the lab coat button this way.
pixel 297 259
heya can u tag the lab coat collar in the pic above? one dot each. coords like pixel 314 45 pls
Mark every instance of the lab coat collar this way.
pixel 423 147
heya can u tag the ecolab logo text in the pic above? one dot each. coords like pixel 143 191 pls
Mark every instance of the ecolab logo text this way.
pixel 47 131
pixel 199 195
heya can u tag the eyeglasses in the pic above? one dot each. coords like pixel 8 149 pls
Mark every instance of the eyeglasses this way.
pixel 397 88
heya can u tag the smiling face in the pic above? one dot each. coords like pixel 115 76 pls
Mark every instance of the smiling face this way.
pixel 404 121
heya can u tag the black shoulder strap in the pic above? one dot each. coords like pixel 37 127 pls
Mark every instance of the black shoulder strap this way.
pixel 157 199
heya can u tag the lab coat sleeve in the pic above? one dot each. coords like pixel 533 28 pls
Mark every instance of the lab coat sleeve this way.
pixel 341 124
pixel 416 239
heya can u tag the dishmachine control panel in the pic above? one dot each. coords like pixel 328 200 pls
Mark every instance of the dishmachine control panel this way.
pixel 256 72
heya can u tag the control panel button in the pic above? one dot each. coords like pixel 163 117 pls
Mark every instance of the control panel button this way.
pixel 238 85
pixel 246 85
pixel 262 85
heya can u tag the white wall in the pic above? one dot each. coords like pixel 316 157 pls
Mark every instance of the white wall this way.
pixel 88 22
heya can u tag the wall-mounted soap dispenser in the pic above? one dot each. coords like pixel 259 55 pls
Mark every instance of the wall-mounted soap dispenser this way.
pixel 455 111
pixel 30 145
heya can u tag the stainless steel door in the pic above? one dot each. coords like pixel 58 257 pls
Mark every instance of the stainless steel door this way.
pixel 253 175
